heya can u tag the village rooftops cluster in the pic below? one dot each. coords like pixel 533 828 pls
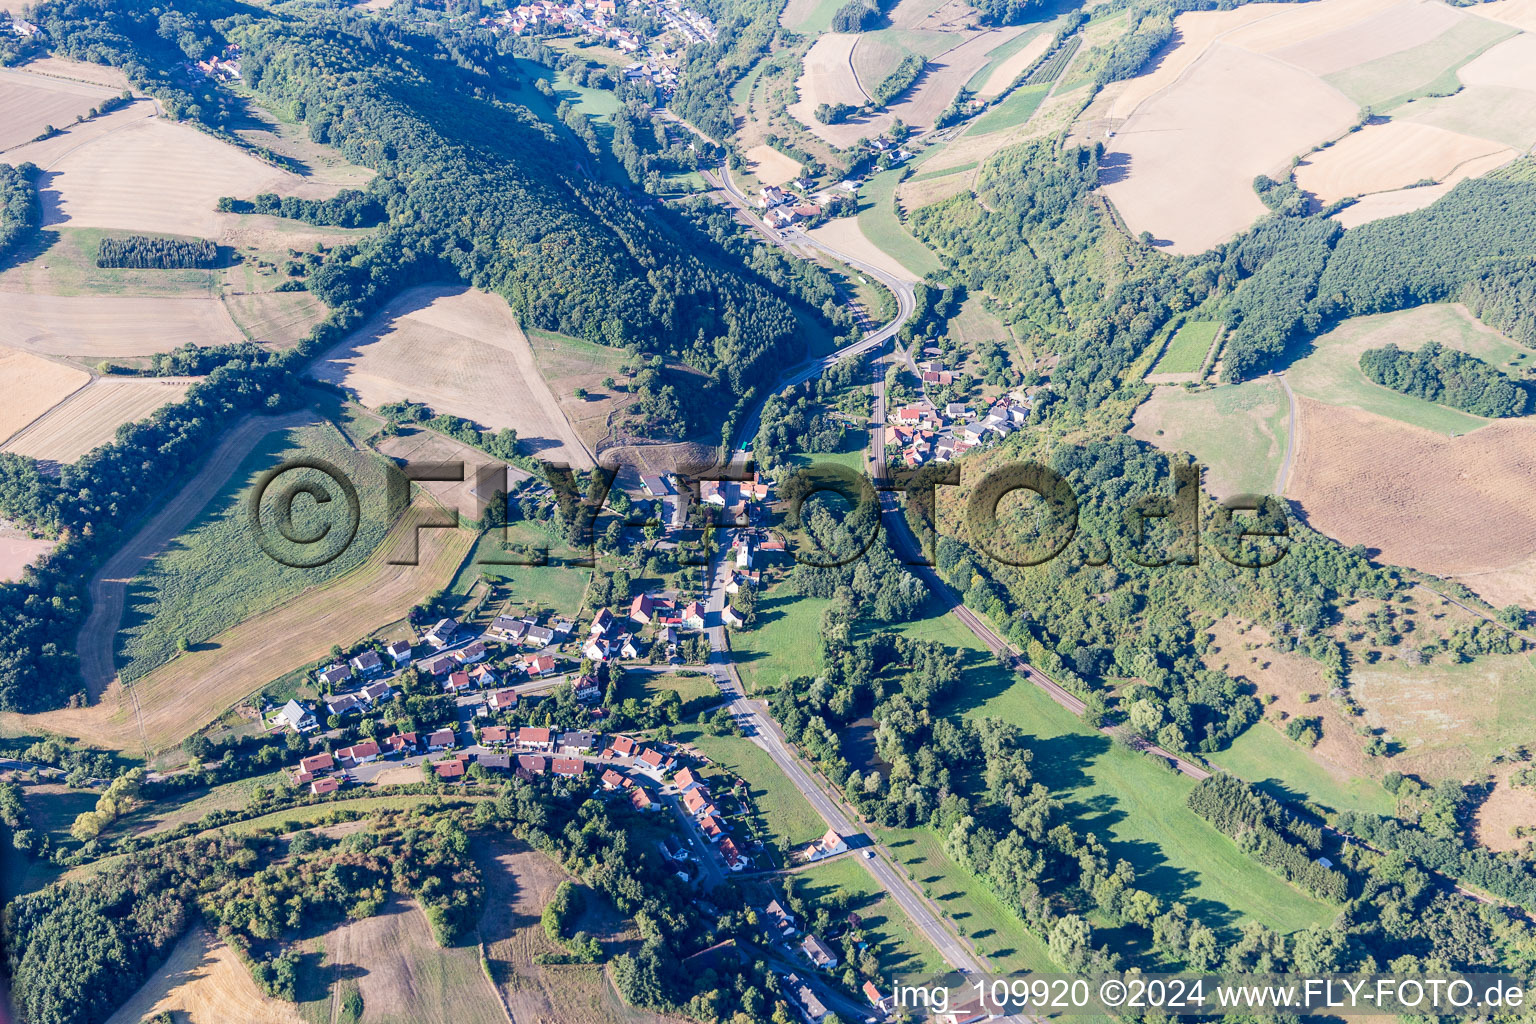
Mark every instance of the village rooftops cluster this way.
pixel 224 67
pixel 928 434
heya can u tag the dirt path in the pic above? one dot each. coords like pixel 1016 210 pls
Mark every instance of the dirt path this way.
pixel 109 587
pixel 1283 477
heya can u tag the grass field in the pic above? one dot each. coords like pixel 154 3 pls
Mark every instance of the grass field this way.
pixel 568 363
pixel 1015 110
pixel 1283 768
pixel 780 644
pixel 783 810
pixel 216 574
pixel 1236 431
pixel 544 588
pixel 1329 369
pixel 1188 348
pixel 697 693
pixel 1429 67
pixel 878 222
pixel 902 951
pixel 62 261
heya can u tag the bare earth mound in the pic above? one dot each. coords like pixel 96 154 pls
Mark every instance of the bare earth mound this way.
pixel 204 982
pixel 461 352
pixel 1394 155
pixel 1414 497
pixel 91 416
pixel 93 327
pixel 1183 166
pixel 33 385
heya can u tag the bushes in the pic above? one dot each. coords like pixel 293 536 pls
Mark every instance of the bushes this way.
pixel 855 16
pixel 898 81
pixel 1438 374
pixel 145 253
pixel 834 113
pixel 349 208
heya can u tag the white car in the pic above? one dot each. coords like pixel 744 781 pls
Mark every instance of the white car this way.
pixel 869 854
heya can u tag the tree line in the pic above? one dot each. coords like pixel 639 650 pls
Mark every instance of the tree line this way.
pixel 1269 834
pixel 142 252
pixel 20 208
pixel 349 208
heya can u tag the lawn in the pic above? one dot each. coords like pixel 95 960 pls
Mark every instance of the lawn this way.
pixel 1287 771
pixel 814 21
pixel 1188 348
pixel 852 453
pixel 62 261
pixel 781 807
pixel 902 951
pixel 184 807
pixel 878 222
pixel 547 588
pixel 1016 108
pixel 215 574
pixel 698 692
pixel 783 643
pixel 1328 369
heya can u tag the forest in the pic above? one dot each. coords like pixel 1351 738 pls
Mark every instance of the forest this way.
pixel 1444 375
pixel 20 210
pixel 145 253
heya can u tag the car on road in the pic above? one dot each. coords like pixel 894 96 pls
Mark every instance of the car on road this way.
pixel 869 854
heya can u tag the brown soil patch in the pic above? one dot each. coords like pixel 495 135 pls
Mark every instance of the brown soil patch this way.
pixel 1183 166
pixel 1506 807
pixel 33 385
pixel 1515 584
pixel 461 352
pixel 91 416
pixel 1508 64
pixel 1415 498
pixel 1394 155
pixel 204 982
pixel 17 552
pixel 95 327
pixel 771 167
pixel 1289 678
pixel 30 102
pixel 404 976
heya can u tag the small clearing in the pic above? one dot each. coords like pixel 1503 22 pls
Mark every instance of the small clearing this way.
pixel 1506 808
pixel 17 551
pixel 1236 431
pixel 33 385
pixel 91 416
pixel 204 982
pixel 462 352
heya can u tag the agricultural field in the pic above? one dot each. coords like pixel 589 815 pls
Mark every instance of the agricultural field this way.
pixel 902 951
pixel 1019 107
pixel 1008 62
pixel 878 222
pixel 62 262
pixel 772 649
pixel 771 167
pixel 90 416
pixel 204 982
pixel 215 574
pixel 30 103
pixel 1236 431
pixel 96 327
pixel 568 363
pixel 1187 350
pixel 18 550
pixel 461 352
pixel 1240 93
pixel 32 386
pixel 827 78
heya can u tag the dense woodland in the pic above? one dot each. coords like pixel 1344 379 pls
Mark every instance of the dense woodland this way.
pixel 1439 374
pixel 20 210
pixel 145 253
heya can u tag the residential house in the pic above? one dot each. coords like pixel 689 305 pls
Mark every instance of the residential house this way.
pixel 498 762
pixel 668 636
pixel 697 803
pixel 502 700
pixel 598 648
pixel 507 630
pixel 296 717
pixel 316 763
pixel 781 920
pixel 493 734
pixel 601 623
pixel 806 211
pixel 818 953
pixel 471 654
pixel 641 800
pixel 876 1000
pixel 534 739
pixel 327 784
pixel 453 768
pixel 734 858
pixel 529 765
pixel 335 674
pixel 826 846
pixel 799 992
pixel 731 617
pixel 441 635
pixel 442 739
pixel 368 664
pixel 402 743
pixel 483 677
pixel 771 197
pixel 693 615
pixel 686 780
pixel 942 378
pixel 621 746
pixel 569 767
pixel 711 827
pixel 711 493
pixel 457 682
pixel 627 648
pixel 576 741
pixel 562 628
pixel 399 652
pixel 957 411
pixel 345 704
pixel 360 753
pixel 538 637
pixel 613 780
pixel 910 415
pixel 539 665
pixel 440 666
pixel 652 761
pixel 643 608
pixel 375 692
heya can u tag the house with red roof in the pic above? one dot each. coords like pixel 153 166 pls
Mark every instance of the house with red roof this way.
pixel 316 763
pixel 402 743
pixel 569 767
pixel 453 768
pixel 359 753
pixel 442 739
pixel 502 700
pixel 621 746
pixel 534 738
pixel 734 859
pixel 324 785
pixel 539 665
pixel 497 734
pixel 711 827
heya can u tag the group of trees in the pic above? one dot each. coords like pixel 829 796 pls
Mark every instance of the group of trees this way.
pixel 20 210
pixel 1269 834
pixel 1439 374
pixel 349 208
pixel 145 253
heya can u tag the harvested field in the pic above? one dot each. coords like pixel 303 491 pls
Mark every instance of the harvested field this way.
pixel 827 77
pixel 91 416
pixel 844 235
pixel 417 445
pixel 1183 166
pixel 1406 200
pixel 33 385
pixel 1400 27
pixel 79 71
pixel 1002 76
pixel 461 352
pixel 1293 24
pixel 1519 13
pixel 138 172
pixel 1493 112
pixel 175 700
pixel 1429 67
pixel 1193 33
pixel 94 327
pixel 915 195
pixel 17 551
pixel 1393 155
pixel 1055 114
pixel 402 973
pixel 1515 584
pixel 204 982
pixel 567 363
pixel 29 103
pixel 1506 808
pixel 278 319
pixel 770 166
pixel 1409 494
